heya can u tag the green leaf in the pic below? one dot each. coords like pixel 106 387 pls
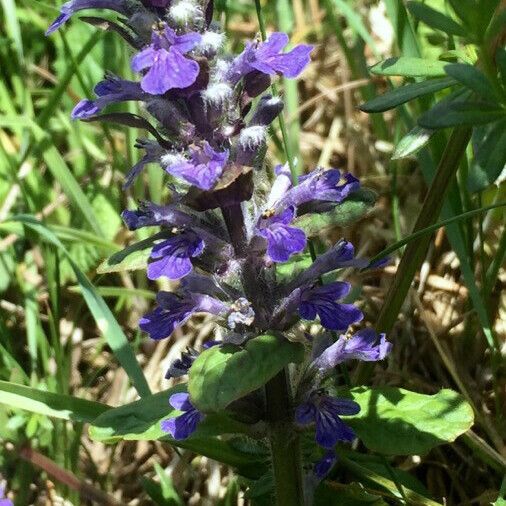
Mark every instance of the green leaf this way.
pixel 351 494
pixel 105 320
pixel 445 115
pixel 408 66
pixel 406 93
pixel 472 78
pixel 50 404
pixel 490 157
pixel 295 265
pixel 141 420
pixel 221 375
pixel 412 142
pixel 394 421
pixel 500 57
pixel 344 214
pixel 435 19
pixel 133 257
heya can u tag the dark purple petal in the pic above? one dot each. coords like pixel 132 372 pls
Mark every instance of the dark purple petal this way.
pixel 172 256
pixel 340 406
pixel 84 109
pixel 181 401
pixel 150 214
pixel 330 429
pixel 339 317
pixel 283 241
pixel 305 413
pixel 325 464
pixel 184 425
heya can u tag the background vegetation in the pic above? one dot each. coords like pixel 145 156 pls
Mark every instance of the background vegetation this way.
pixel 69 174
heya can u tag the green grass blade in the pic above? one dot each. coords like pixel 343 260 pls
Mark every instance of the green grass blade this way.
pixel 50 404
pixel 105 320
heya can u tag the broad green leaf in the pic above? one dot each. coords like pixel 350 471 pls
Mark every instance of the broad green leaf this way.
pixel 436 19
pixel 405 93
pixel 412 142
pixel 394 421
pixel 344 214
pixel 50 404
pixel 409 67
pixel 223 374
pixel 472 78
pixel 445 115
pixel 141 420
pixel 490 157
pixel 133 257
pixel 105 320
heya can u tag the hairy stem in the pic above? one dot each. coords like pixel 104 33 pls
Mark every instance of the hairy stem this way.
pixel 285 445
pixel 285 451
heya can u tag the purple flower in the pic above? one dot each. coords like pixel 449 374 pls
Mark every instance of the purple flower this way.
pixel 184 425
pixel 174 310
pixel 267 57
pixel 321 301
pixel 325 464
pixel 324 410
pixel 202 169
pixel 150 214
pixel 363 345
pixel 168 67
pixel 109 91
pixel 181 366
pixel 327 185
pixel 69 8
pixel 283 241
pixel 172 256
pixel 153 154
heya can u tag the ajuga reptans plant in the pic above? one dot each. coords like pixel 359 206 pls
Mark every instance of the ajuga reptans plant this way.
pixel 229 224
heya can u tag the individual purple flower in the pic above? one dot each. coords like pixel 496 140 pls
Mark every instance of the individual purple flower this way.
pixel 267 57
pixel 171 258
pixel 325 185
pixel 364 345
pixel 109 91
pixel 324 411
pixel 325 464
pixel 68 9
pixel 164 57
pixel 153 154
pixel 181 366
pixel 184 425
pixel 202 169
pixel 174 310
pixel 150 214
pixel 283 241
pixel 322 301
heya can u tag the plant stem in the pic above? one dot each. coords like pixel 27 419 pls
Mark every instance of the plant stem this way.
pixel 416 250
pixel 285 446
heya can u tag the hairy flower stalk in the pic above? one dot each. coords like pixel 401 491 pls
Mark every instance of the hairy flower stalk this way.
pixel 222 234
